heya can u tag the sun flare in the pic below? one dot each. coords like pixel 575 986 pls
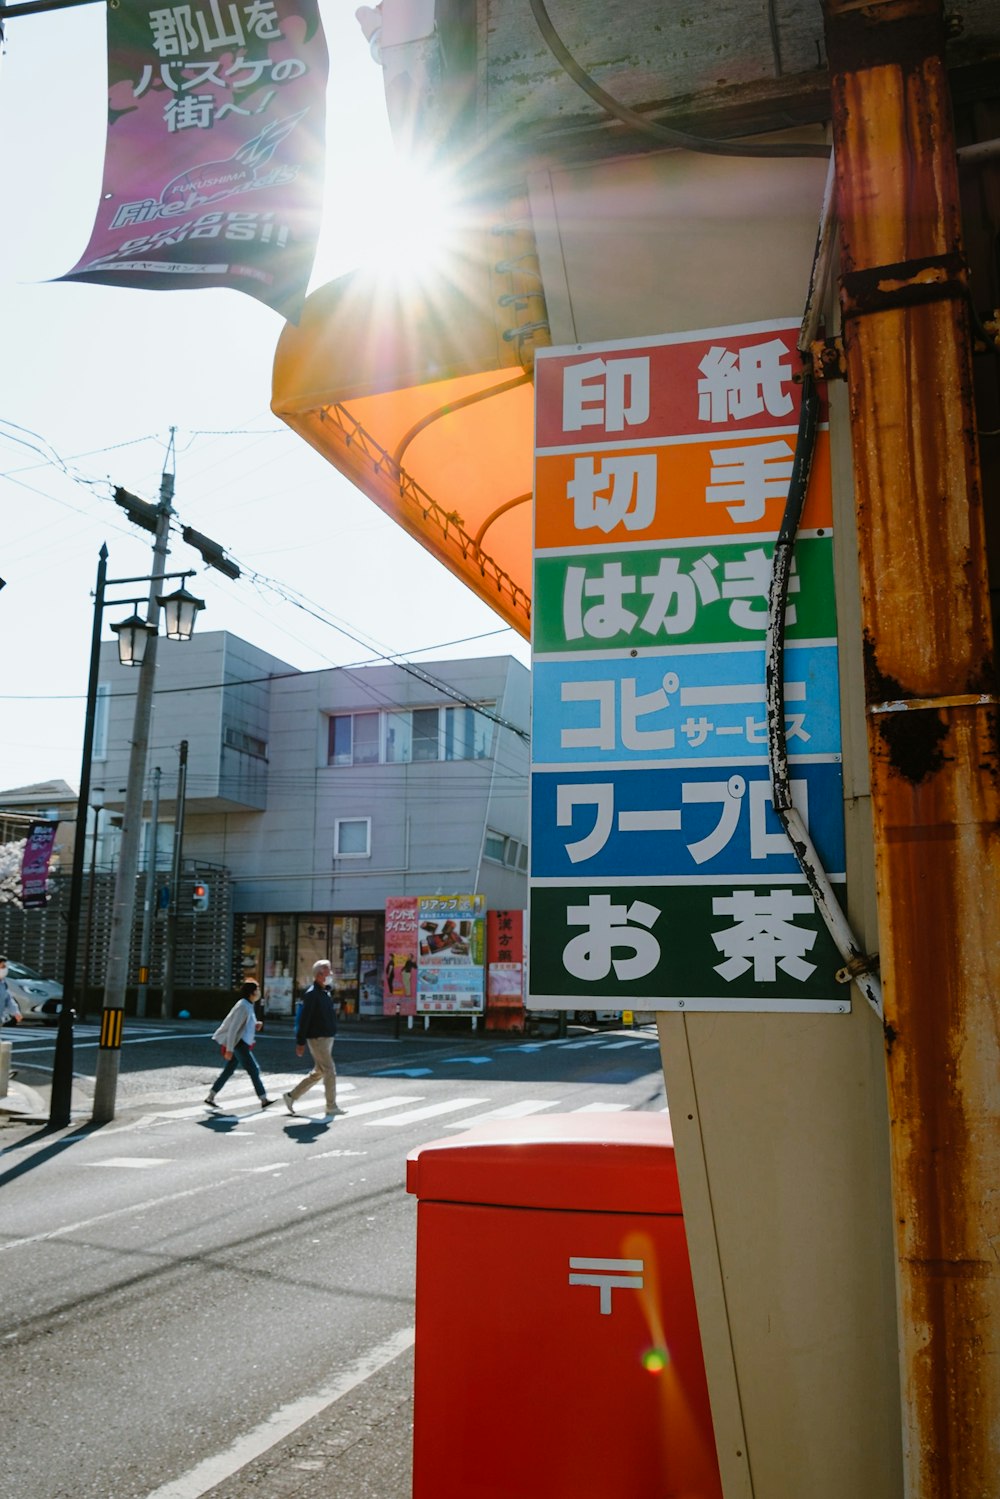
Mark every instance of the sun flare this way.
pixel 412 225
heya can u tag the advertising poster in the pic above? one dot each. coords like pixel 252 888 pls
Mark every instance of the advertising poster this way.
pixel 661 876
pixel 213 171
pixel 451 971
pixel 399 979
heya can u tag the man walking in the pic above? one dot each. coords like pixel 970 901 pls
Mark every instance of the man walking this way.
pixel 316 1028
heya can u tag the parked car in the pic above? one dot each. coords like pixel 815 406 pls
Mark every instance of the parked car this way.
pixel 37 998
pixel 580 1017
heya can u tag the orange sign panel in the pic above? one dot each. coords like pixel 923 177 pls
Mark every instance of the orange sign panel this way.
pixel 712 487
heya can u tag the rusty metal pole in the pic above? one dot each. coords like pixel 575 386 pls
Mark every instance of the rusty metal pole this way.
pixel 933 727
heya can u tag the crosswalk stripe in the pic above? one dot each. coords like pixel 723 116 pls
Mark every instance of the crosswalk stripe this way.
pixel 374 1105
pixel 134 1163
pixel 602 1108
pixel 509 1111
pixel 632 1041
pixel 431 1111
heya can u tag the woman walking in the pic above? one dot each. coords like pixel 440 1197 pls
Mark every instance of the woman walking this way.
pixel 236 1036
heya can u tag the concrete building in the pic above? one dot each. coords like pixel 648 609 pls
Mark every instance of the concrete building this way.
pixel 313 797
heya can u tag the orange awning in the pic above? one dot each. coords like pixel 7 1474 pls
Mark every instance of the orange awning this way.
pixel 420 398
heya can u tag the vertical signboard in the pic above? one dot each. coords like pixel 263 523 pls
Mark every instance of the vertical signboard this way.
pixel 505 970
pixel 660 875
pixel 450 954
pixel 399 990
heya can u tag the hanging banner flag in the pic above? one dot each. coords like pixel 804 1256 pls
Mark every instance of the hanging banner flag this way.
pixel 213 169
pixel 35 864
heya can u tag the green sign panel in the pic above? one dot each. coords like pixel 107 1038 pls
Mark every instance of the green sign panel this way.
pixel 683 946
pixel 709 594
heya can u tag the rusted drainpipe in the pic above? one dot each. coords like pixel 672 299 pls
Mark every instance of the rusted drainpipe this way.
pixel 932 715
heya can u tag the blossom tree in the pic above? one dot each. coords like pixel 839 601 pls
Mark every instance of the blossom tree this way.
pixel 11 855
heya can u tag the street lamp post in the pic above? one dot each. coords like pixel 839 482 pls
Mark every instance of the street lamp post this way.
pixel 182 617
pixel 62 1066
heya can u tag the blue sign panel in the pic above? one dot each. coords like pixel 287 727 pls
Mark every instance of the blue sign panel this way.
pixel 700 821
pixel 707 705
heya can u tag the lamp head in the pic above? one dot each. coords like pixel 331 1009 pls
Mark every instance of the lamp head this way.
pixel 179 612
pixel 133 633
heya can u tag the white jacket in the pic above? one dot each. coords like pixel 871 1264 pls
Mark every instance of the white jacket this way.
pixel 9 1009
pixel 239 1025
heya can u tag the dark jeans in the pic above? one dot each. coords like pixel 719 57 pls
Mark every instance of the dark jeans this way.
pixel 245 1057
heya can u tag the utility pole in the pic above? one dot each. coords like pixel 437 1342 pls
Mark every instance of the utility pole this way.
pixel 148 899
pixel 931 698
pixel 109 1055
pixel 173 910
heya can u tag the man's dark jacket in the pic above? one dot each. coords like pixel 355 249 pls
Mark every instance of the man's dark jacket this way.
pixel 318 1015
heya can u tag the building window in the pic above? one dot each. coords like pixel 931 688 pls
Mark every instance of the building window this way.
pixel 398 738
pixel 247 744
pixel 505 850
pixel 401 736
pixel 352 837
pixel 425 733
pixel 366 745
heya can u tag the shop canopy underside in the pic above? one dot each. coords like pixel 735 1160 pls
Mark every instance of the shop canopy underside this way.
pixel 423 404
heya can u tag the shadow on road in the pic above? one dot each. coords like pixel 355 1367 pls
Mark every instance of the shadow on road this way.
pixel 306 1132
pixel 41 1157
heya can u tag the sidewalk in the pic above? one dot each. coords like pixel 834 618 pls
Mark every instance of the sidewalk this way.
pixel 29 1095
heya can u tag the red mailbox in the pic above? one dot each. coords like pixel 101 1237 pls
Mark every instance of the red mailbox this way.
pixel 557 1349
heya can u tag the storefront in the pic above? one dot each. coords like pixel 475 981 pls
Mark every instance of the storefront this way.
pixel 280 951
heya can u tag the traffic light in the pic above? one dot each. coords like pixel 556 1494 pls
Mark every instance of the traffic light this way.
pixel 199 898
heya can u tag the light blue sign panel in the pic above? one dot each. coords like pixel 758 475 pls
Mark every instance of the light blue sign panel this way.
pixel 699 821
pixel 680 708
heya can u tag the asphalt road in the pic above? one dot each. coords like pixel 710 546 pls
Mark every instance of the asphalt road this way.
pixel 198 1303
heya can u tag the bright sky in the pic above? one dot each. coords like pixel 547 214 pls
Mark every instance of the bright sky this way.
pixel 94 377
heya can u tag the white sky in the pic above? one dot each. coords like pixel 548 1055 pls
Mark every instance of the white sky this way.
pixel 100 374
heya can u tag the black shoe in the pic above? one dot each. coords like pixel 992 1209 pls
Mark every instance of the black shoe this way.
pixel 266 1103
pixel 210 1100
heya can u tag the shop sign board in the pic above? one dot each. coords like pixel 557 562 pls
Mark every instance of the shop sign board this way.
pixel 505 958
pixel 661 877
pixel 451 954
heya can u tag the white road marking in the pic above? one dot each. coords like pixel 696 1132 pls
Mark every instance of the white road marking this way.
pixel 131 1207
pixel 126 1040
pixel 632 1041
pixel 207 1474
pixel 376 1105
pixel 509 1111
pixel 133 1162
pixel 431 1111
pixel 602 1108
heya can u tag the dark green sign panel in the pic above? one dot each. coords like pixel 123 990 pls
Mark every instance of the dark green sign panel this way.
pixel 654 947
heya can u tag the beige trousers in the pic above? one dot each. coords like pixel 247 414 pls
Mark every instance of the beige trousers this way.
pixel 321 1050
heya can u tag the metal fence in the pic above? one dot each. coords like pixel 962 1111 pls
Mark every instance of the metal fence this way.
pixel 204 938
